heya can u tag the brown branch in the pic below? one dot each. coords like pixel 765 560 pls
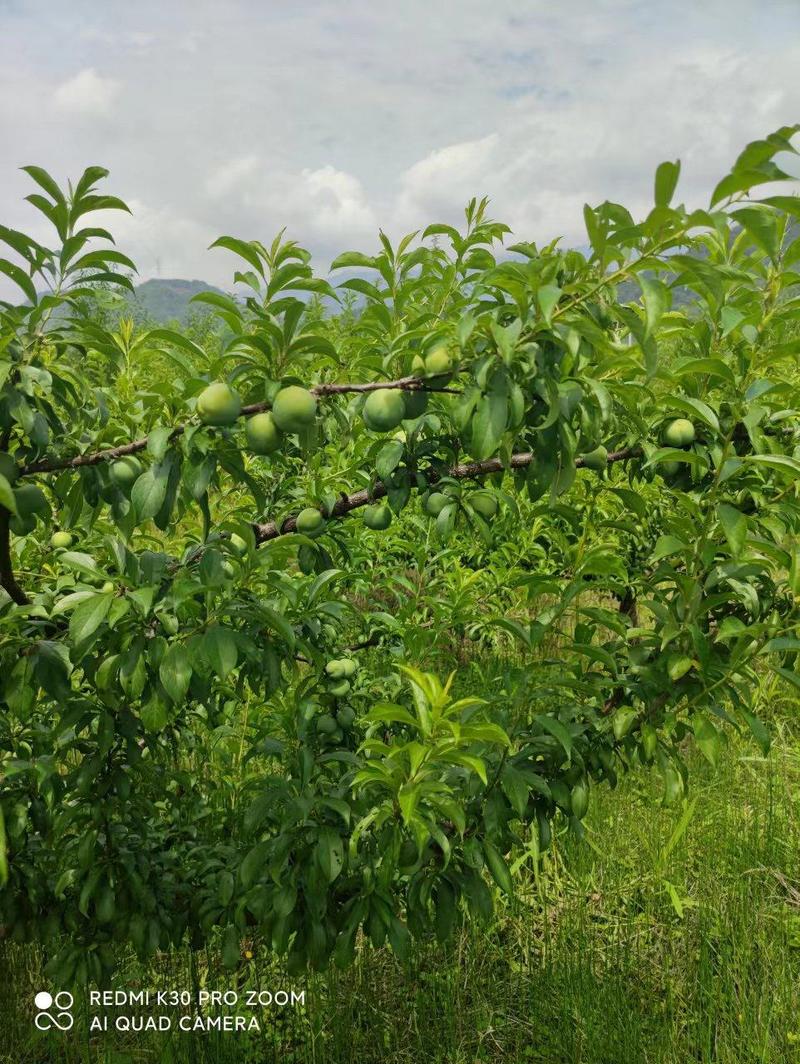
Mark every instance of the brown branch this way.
pixel 53 465
pixel 7 579
pixel 464 471
pixel 627 607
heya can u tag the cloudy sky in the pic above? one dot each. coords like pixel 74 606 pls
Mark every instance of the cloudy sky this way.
pixel 242 116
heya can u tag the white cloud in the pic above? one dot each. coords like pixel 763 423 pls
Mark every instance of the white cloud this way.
pixel 332 203
pixel 603 140
pixel 318 206
pixel 231 175
pixel 333 120
pixel 445 179
pixel 161 240
pixel 87 93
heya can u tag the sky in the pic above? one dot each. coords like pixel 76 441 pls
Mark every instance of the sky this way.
pixel 335 120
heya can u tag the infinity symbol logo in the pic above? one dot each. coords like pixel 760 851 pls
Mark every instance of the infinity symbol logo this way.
pixel 62 1020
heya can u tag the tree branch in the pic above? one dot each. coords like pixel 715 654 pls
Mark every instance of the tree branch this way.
pixel 7 579
pixel 53 465
pixel 463 471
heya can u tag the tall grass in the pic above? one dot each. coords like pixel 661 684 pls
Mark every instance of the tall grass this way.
pixel 664 937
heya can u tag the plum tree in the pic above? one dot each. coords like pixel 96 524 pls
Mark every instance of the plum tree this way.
pixel 390 803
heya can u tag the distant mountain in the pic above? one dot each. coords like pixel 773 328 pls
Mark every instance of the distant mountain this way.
pixel 163 299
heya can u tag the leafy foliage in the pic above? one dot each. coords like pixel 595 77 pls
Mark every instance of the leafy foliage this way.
pixel 181 747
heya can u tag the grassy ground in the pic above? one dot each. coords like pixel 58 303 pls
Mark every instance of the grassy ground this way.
pixel 670 937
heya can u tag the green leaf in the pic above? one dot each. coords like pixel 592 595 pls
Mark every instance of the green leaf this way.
pixel 667 545
pixel 158 441
pixel 230 948
pixel 219 647
pixel 734 526
pixel 154 715
pixel 678 665
pixel 89 615
pixel 175 672
pixel 695 408
pixel 789 675
pixel 557 730
pixel 506 338
pixel 488 423
pixel 220 302
pixel 743 179
pixel 149 491
pixel 3 851
pixel 279 624
pixel 762 225
pixel 776 461
pixel 7 495
pixel 515 787
pixel 254 863
pixel 547 297
pixel 176 339
pixel 389 713
pixel 705 367
pixel 707 738
pixel 45 181
pixel 353 259
pixel 758 731
pixel 399 938
pixel 657 299
pixel 498 867
pixel 100 260
pixel 329 853
pixel 666 181
pixel 243 248
pixel 675 454
pixel 19 277
pixel 389 458
pixel 729 318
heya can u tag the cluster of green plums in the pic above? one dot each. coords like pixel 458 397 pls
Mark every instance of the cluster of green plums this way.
pixel 293 410
pixel 386 408
pixel 332 724
pixel 338 674
pixel 482 502
pixel 679 434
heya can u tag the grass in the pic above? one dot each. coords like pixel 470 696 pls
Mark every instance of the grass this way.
pixel 666 937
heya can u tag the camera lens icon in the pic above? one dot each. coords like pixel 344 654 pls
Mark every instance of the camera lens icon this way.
pixel 53 1012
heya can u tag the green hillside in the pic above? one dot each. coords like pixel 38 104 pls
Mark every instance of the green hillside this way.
pixel 168 299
